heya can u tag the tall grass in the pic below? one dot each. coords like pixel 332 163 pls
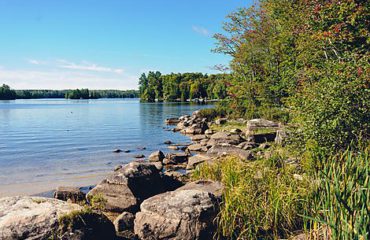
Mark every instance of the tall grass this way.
pixel 342 201
pixel 262 199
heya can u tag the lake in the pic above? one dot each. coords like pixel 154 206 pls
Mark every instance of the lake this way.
pixel 45 143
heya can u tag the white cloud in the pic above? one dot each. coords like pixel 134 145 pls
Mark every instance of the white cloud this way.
pixel 201 30
pixel 66 79
pixel 86 66
pixel 36 62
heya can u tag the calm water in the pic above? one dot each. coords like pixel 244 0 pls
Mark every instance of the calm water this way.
pixel 46 143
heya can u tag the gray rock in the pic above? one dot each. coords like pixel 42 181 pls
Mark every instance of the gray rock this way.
pixel 139 156
pixel 246 145
pixel 195 147
pixel 158 165
pixel 235 131
pixel 175 158
pixel 168 142
pixel 117 150
pixel 124 222
pixel 260 123
pixel 118 167
pixel 73 194
pixel 221 121
pixel 156 156
pixel 224 137
pixel 173 147
pixel 172 121
pixel 198 137
pixel 230 150
pixel 197 159
pixel 181 214
pixel 117 197
pixel 124 189
pixel 213 187
pixel 39 218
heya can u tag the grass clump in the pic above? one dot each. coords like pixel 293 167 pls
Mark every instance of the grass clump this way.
pixel 262 199
pixel 342 201
pixel 98 202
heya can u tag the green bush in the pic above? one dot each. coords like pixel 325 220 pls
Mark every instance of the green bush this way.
pixel 210 113
pixel 260 201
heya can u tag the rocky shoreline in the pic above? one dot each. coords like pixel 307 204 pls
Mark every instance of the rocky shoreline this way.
pixel 145 199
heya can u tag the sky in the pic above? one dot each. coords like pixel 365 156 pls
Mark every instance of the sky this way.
pixel 106 44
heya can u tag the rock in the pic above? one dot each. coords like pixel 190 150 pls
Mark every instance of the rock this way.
pixel 264 146
pixel 168 142
pixel 158 165
pixel 181 214
pixel 139 156
pixel 115 197
pixel 197 128
pixel 45 218
pixel 118 167
pixel 175 179
pixel 246 145
pixel 141 148
pixel 127 151
pixel 220 121
pixel 198 137
pixel 156 156
pixel 235 131
pixel 209 132
pixel 281 135
pixel 125 221
pixel 263 137
pixel 213 187
pixel 260 123
pixel 230 150
pixel 197 159
pixel 195 147
pixel 174 158
pixel 124 189
pixel 204 142
pixel 173 147
pixel 224 137
pixel 117 150
pixel 172 121
pixel 74 194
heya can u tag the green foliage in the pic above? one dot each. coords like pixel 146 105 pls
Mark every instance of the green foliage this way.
pixel 261 200
pixel 6 93
pixel 210 113
pixel 181 87
pixel 98 202
pixel 341 201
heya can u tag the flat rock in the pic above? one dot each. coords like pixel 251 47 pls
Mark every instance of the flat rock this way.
pixel 230 150
pixel 195 147
pixel 224 137
pixel 198 137
pixel 213 187
pixel 197 159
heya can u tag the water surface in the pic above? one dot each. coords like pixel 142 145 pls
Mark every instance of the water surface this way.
pixel 45 143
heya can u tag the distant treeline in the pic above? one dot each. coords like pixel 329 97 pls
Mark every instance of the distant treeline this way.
pixel 6 93
pixel 182 86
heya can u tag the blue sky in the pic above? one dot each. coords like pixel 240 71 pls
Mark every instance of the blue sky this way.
pixel 106 44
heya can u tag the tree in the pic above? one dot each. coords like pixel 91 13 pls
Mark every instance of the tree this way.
pixel 6 93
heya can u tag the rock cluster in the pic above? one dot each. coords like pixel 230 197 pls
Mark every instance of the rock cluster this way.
pixel 145 199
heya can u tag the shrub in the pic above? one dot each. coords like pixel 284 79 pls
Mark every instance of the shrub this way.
pixel 261 201
pixel 210 113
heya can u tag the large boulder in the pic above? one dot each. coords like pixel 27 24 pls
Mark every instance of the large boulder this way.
pixel 128 186
pixel 175 158
pixel 220 150
pixel 113 197
pixel 260 123
pixel 45 218
pixel 225 138
pixel 187 213
pixel 73 194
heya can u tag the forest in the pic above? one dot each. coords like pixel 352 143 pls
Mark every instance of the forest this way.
pixel 306 65
pixel 182 86
pixel 6 93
